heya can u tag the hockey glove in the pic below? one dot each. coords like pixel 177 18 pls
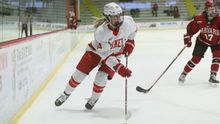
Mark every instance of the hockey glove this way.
pixel 73 26
pixel 187 40
pixel 129 46
pixel 122 70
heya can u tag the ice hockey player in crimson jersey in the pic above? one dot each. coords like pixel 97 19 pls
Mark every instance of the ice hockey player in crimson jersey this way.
pixel 113 39
pixel 208 23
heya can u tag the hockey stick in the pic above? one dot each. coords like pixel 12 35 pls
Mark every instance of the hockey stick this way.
pixel 126 91
pixel 143 90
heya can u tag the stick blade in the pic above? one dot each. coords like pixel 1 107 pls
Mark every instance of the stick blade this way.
pixel 141 90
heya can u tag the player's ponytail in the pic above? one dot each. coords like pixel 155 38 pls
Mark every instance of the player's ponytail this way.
pixel 99 21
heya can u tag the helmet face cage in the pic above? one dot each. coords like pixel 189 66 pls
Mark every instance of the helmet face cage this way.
pixel 211 12
pixel 115 20
pixel 210 9
pixel 113 14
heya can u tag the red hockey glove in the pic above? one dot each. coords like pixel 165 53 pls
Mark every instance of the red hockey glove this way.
pixel 129 46
pixel 122 70
pixel 187 40
pixel 72 26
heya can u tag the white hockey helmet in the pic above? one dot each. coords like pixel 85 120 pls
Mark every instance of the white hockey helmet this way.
pixel 113 11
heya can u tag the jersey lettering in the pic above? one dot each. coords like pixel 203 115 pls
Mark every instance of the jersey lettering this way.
pixel 116 43
pixel 210 30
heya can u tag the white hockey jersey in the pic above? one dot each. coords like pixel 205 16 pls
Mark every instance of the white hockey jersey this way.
pixel 106 43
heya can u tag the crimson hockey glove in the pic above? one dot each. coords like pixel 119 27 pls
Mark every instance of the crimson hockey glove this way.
pixel 122 70
pixel 129 46
pixel 187 40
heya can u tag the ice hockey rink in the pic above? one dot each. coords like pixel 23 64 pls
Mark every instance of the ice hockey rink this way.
pixel 167 102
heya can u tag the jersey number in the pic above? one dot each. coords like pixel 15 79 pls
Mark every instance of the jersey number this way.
pixel 209 36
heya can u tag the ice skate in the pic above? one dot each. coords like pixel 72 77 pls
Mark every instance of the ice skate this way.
pixel 213 81
pixel 59 101
pixel 91 103
pixel 182 79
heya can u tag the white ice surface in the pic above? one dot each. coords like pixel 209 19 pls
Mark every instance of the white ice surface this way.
pixel 166 103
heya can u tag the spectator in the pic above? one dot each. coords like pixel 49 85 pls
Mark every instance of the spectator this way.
pixel 132 12
pixel 73 21
pixel 176 12
pixel 170 11
pixel 30 20
pixel 154 9
pixel 24 27
pixel 135 12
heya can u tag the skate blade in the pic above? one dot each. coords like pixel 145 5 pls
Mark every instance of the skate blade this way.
pixel 181 83
pixel 213 84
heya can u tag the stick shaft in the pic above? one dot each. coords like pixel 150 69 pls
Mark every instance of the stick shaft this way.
pixel 126 91
pixel 167 67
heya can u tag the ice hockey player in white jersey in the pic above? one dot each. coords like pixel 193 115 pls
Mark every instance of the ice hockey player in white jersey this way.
pixel 113 39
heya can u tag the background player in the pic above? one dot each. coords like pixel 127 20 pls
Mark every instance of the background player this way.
pixel 208 23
